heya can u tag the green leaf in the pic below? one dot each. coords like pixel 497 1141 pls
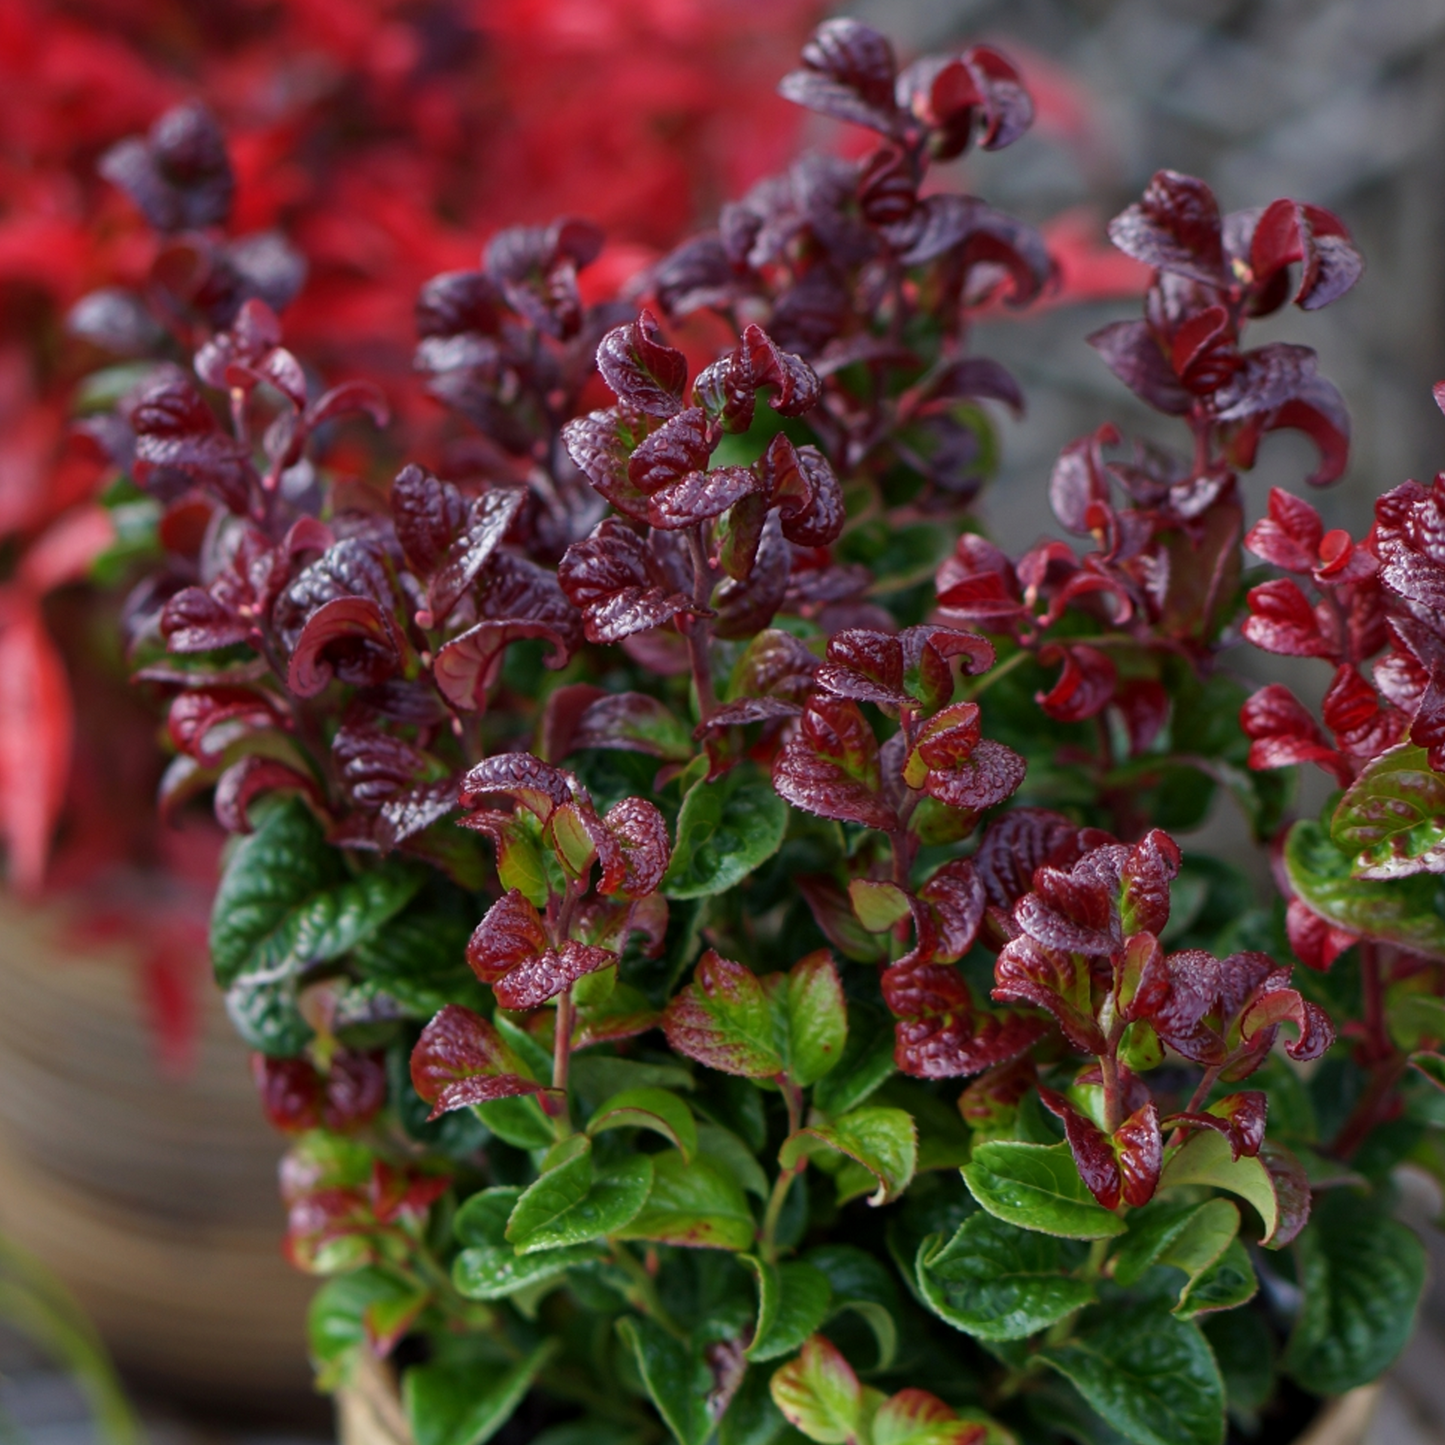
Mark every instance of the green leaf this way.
pixel 286 900
pixel 1199 1239
pixel 725 829
pixel 466 1404
pixel 1150 1376
pixel 265 1010
pixel 692 1204
pixel 793 1301
pixel 1413 1018
pixel 867 1061
pixel 598 1076
pixel 1224 1285
pixel 884 1141
pixel 817 1018
pixel 998 1282
pixel 677 1379
pixel 1037 1186
pixel 653 1109
pixel 864 1286
pixel 819 1394
pixel 1391 819
pixel 1362 1274
pixel 568 1204
pixel 517 1121
pixel 1205 1159
pixel 724 1019
pixel 734 1158
pixel 494 1271
pixel 482 1218
pixel 1406 911
pixel 1244 1348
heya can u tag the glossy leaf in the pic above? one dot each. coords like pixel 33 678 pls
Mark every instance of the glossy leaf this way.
pixel 816 1016
pixel 461 1060
pixel 1037 1186
pixel 571 1202
pixel 1150 1376
pixel 654 1109
pixel 1206 1159
pixel 996 1281
pixel 1392 817
pixel 724 831
pixel 695 1205
pixel 493 1272
pixel 884 1141
pixel 1362 1274
pixel 793 1300
pixel 722 1019
pixel 677 1380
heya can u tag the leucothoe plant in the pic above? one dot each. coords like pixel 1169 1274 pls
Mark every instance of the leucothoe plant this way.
pixel 712 921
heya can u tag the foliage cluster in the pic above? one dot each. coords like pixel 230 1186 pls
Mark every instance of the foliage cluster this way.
pixel 708 916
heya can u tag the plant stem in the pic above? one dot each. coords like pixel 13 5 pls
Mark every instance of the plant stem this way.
pixel 774 1211
pixel 699 631
pixel 1113 1103
pixel 1022 656
pixel 562 1042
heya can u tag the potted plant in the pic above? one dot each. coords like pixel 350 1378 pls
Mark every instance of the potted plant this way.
pixel 712 921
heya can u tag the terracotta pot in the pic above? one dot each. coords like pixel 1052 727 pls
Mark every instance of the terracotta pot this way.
pixel 154 1199
pixel 369 1413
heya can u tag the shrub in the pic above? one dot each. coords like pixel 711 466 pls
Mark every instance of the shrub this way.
pixel 710 918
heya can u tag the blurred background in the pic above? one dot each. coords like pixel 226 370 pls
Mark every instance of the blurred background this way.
pixel 388 139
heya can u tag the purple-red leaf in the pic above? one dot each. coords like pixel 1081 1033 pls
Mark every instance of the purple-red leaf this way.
pixel 461 1059
pixel 848 73
pixel 1175 226
pixel 351 638
pixel 832 768
pixel 536 785
pixel 613 580
pixel 1050 978
pixel 641 368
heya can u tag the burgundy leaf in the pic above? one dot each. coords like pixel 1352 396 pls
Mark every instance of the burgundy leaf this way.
pixel 1049 978
pixel 991 773
pixel 642 369
pixel 468 665
pixel 678 448
pixel 700 496
pixel 810 499
pixel 645 851
pixel 1282 620
pixel 1203 352
pixel 348 399
pixel 1151 866
pixel 745 608
pixel 951 95
pixel 408 813
pixel 955 898
pixel 616 585
pixel 978 582
pixel 630 721
pixel 537 786
pixel 976 235
pixel 1144 705
pixel 194 621
pixel 1352 711
pixel 1133 355
pixel 1022 841
pixel 600 445
pixel 230 712
pixel 1079 482
pixel 792 381
pixel 487 522
pixel 1239 1117
pixel 747 710
pixel 1291 1191
pixel 866 666
pixel 1175 226
pixel 1093 1153
pixel 725 391
pixel 532 982
pixel 1289 232
pixel 428 515
pixel 179 175
pixel 831 767
pixel 1283 733
pixel 1315 941
pixel 461 1060
pixel 1290 535
pixel 246 780
pixel 1085 686
pixel 953 1046
pixel 510 934
pixel 848 74
pixel 708 1019
pixel 977 376
pixel 290 1091
pixel 1268 378
pixel 1410 542
pixel 1284 1005
pixel 1139 1146
pixel 537 269
pixel 350 638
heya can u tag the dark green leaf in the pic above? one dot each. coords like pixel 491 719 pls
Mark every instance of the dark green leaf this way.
pixel 867 1061
pixel 482 1219
pixel 494 1271
pixel 653 1109
pixel 816 1017
pixel 349 1312
pixel 677 1379
pixel 864 1286
pixel 692 1204
pixel 1362 1274
pixel 1037 1186
pixel 518 1121
pixel 286 900
pixel 1150 1376
pixel 725 829
pixel 569 1204
pixel 1244 1348
pixel 793 1301
pixel 998 1282
pixel 1224 1285
pixel 884 1141
pixel 466 1404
